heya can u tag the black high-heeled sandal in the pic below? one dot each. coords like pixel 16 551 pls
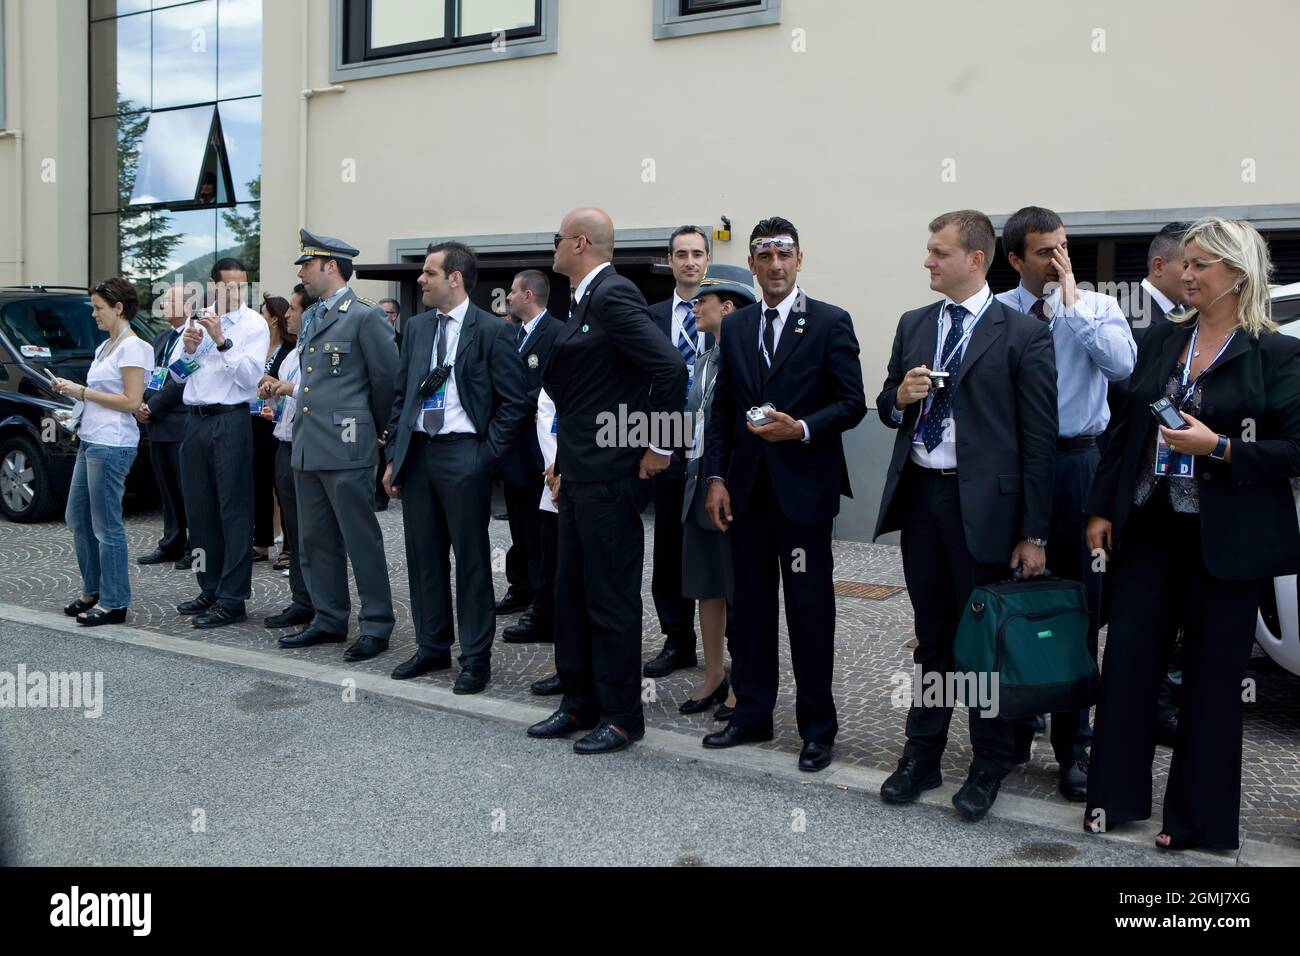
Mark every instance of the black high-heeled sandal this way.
pixel 78 606
pixel 695 706
pixel 99 616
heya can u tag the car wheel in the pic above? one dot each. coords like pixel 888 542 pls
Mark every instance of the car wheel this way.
pixel 25 491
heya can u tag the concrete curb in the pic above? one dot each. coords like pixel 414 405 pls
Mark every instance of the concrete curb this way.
pixel 1050 813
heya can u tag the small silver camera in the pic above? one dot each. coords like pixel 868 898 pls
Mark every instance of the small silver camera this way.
pixel 939 379
pixel 757 415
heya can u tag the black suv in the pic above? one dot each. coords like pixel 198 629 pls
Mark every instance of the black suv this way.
pixel 47 329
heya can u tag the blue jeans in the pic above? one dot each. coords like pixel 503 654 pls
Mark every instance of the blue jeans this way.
pixel 94 514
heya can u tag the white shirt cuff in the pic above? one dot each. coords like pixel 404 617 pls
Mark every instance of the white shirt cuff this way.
pixel 660 451
pixel 806 436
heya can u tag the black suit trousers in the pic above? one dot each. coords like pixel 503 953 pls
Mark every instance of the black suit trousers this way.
pixel 287 493
pixel 217 475
pixel 941 573
pixel 1160 582
pixel 764 545
pixel 165 460
pixel 600 550
pixel 542 609
pixel 524 558
pixel 676 613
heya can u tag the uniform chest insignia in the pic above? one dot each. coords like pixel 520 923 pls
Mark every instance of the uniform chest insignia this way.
pixel 345 306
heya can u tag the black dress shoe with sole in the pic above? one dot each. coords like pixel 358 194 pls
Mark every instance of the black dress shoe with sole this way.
pixel 528 631
pixel 976 795
pixel 218 616
pixel 156 556
pixel 1073 784
pixel 733 736
pixel 79 606
pixel 814 756
pixel 185 563
pixel 513 602
pixel 98 616
pixel 559 724
pixel 421 663
pixel 547 686
pixel 365 647
pixel 310 637
pixel 200 604
pixel 471 681
pixel 668 661
pixel 909 781
pixel 724 713
pixel 290 617
pixel 607 739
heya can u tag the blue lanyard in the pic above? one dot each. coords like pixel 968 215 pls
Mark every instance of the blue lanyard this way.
pixel 961 342
pixel 1187 369
pixel 449 359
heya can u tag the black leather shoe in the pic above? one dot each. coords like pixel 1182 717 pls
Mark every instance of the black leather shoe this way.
pixel 78 606
pixel 694 705
pixel 1074 781
pixel 667 661
pixel 218 616
pixel 606 739
pixel 421 663
pixel 156 556
pixel 97 616
pixel 724 713
pixel 513 602
pixel 365 647
pixel 185 563
pixel 976 794
pixel 547 686
pixel 200 604
pixel 733 736
pixel 909 781
pixel 472 680
pixel 815 756
pixel 290 617
pixel 528 631
pixel 559 724
pixel 310 637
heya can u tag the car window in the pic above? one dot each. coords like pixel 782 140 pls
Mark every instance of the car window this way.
pixel 1286 311
pixel 51 328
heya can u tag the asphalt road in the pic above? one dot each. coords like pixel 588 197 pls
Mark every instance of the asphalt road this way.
pixel 194 762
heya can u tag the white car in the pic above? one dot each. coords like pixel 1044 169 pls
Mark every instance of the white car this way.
pixel 1277 628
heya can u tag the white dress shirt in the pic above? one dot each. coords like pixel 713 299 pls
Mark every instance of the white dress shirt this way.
pixel 230 377
pixel 289 370
pixel 1162 300
pixel 455 421
pixel 678 318
pixel 528 329
pixel 546 441
pixel 778 325
pixel 945 453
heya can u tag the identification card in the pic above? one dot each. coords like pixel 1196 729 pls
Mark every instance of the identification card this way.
pixel 1171 464
pixel 437 400
pixel 555 424
pixel 184 367
pixel 158 379
pixel 256 405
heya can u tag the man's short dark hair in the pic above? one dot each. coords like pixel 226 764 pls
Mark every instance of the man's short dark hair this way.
pixel 774 226
pixel 974 231
pixel 457 257
pixel 226 264
pixel 396 305
pixel 535 281
pixel 1023 222
pixel 690 230
pixel 305 297
pixel 1166 242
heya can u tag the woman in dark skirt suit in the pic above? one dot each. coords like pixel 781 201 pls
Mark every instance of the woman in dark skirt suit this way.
pixel 1199 519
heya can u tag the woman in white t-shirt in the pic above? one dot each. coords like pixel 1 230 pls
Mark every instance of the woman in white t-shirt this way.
pixel 108 435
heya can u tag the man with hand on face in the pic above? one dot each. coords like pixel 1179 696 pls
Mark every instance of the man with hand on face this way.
pixel 608 360
pixel 1093 349
pixel 688 254
pixel 969 483
pixel 458 406
pixel 788 385
pixel 346 361
pixel 223 354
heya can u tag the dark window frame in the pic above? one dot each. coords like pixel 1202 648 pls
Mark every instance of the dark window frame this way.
pixel 357 48
pixel 687 8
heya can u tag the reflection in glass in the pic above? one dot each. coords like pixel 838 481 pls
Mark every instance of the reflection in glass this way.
pixel 114 149
pixel 116 8
pixel 174 152
pixel 184 243
pixel 394 22
pixel 239 234
pixel 241 128
pixel 119 50
pixel 239 59
pixel 489 16
pixel 185 54
pixel 105 245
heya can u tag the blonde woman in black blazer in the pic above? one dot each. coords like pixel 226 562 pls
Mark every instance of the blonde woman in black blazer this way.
pixel 1193 545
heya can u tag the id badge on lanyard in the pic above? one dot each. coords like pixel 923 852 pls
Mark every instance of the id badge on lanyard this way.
pixel 938 359
pixel 1169 463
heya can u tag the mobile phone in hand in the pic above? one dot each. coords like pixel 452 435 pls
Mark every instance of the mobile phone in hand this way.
pixel 1169 416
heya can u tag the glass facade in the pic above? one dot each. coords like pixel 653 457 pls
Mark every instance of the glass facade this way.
pixel 175 138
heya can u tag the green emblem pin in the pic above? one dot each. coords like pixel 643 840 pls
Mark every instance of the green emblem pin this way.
pixel 586 327
pixel 1043 634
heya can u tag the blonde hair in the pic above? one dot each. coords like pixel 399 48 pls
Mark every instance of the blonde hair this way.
pixel 1244 251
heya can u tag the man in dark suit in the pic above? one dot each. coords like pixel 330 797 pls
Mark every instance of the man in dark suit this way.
pixel 458 406
pixel 1161 291
pixel 970 480
pixel 164 420
pixel 688 254
pixel 775 487
pixel 526 560
pixel 609 371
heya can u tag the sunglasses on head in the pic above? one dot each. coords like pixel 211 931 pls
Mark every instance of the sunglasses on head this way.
pixel 779 243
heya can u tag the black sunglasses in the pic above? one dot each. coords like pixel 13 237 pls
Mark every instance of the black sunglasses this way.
pixel 559 238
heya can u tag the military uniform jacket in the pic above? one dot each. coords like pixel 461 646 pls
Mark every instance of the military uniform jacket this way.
pixel 348 361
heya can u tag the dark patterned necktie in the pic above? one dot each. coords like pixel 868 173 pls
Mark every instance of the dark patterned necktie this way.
pixel 769 335
pixel 1039 311
pixel 432 417
pixel 521 337
pixel 941 406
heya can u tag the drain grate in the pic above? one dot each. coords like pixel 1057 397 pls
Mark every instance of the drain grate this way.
pixel 869 592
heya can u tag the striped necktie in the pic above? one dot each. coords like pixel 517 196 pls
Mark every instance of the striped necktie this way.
pixel 686 344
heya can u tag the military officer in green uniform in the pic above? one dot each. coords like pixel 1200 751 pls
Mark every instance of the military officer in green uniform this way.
pixel 348 361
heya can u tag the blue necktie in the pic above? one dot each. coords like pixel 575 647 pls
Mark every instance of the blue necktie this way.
pixel 306 320
pixel 941 406
pixel 686 344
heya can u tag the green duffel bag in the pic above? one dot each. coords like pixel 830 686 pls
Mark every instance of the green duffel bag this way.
pixel 1026 641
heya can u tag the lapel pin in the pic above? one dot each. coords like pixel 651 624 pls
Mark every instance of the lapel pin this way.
pixel 586 327
pixel 532 360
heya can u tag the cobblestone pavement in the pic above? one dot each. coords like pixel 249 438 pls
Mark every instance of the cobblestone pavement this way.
pixel 38 570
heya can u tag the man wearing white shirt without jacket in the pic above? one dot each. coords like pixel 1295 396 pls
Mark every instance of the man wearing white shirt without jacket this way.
pixel 224 353
pixel 1093 347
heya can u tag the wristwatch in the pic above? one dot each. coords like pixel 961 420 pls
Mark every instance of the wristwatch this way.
pixel 1220 449
pixel 1037 542
pixel 225 346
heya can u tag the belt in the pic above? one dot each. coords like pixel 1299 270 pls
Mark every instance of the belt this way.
pixel 939 472
pixel 218 409
pixel 440 439
pixel 1081 441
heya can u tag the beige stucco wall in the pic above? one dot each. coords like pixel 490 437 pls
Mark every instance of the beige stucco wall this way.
pixel 46 94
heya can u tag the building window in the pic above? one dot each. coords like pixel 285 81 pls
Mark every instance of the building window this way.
pixel 175 138
pixel 679 18
pixel 382 37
